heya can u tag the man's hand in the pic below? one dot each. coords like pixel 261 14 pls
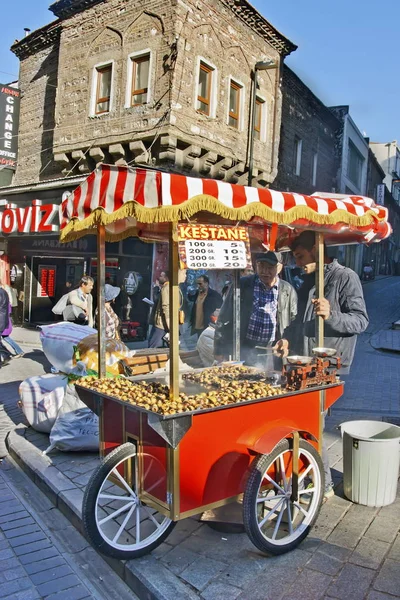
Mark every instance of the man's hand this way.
pixel 281 348
pixel 322 307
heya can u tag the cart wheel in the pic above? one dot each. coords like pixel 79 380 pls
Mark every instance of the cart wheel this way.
pixel 272 521
pixel 116 522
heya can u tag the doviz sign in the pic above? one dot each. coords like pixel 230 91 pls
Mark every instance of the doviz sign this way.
pixel 213 247
pixel 37 218
pixel 9 119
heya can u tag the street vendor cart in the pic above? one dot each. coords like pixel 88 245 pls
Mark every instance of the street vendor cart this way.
pixel 226 433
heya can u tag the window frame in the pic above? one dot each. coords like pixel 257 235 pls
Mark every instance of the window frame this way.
pixel 239 87
pixel 96 79
pixel 132 58
pixel 212 101
pixel 297 154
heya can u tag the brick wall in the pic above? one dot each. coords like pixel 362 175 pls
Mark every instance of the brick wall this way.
pixel 304 116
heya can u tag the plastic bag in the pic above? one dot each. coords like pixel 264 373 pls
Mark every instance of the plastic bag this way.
pixel 76 428
pixel 58 342
pixel 41 398
pixel 87 352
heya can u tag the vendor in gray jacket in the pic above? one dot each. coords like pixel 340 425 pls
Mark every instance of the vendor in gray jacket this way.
pixel 267 306
pixel 343 307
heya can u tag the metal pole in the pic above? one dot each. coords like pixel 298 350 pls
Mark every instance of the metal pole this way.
pixel 319 287
pixel 236 315
pixel 253 122
pixel 173 315
pixel 101 276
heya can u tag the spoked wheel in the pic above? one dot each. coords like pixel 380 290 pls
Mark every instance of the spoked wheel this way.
pixel 117 523
pixel 275 522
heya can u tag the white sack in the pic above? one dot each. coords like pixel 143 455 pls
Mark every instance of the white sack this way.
pixel 58 341
pixel 76 428
pixel 41 398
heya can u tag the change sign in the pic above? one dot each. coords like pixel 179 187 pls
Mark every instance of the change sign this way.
pixel 9 119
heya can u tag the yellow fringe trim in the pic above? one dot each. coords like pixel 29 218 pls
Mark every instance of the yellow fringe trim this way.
pixel 169 214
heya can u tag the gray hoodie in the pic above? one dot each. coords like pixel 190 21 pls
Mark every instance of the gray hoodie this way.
pixel 348 318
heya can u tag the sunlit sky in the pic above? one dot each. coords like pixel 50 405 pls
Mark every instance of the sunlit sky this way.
pixel 347 52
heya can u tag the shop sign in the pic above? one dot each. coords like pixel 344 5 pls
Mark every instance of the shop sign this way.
pixel 380 194
pixel 213 247
pixel 37 218
pixel 9 119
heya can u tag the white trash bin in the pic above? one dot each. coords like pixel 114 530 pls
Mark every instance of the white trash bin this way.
pixel 371 460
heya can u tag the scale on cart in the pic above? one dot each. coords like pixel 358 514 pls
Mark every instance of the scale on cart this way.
pixel 260 450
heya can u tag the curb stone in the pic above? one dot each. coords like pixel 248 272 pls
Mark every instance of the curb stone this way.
pixel 145 576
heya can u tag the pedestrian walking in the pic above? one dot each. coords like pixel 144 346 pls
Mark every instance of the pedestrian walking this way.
pixel 6 329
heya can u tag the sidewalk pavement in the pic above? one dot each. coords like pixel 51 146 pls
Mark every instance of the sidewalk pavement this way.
pixel 352 552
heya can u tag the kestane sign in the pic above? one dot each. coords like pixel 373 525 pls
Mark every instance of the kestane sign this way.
pixel 37 218
pixel 9 120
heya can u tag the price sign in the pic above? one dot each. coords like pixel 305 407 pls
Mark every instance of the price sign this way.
pixel 46 281
pixel 213 247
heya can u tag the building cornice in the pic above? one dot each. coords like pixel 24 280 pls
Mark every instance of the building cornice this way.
pixel 246 13
pixel 66 8
pixel 62 182
pixel 38 40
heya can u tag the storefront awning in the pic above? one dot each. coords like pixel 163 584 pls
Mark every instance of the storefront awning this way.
pixel 125 199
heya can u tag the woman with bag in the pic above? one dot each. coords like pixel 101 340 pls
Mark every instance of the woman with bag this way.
pixel 6 326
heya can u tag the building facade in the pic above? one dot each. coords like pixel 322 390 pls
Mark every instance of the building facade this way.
pixel 307 155
pixel 388 156
pixel 166 85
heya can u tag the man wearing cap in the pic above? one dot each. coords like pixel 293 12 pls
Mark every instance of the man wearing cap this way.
pixel 267 306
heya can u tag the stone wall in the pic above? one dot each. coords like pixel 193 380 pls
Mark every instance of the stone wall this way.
pixel 168 131
pixel 304 116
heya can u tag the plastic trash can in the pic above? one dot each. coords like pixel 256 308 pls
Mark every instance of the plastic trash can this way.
pixel 371 460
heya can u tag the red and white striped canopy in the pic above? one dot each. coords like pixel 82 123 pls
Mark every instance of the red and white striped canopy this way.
pixel 123 198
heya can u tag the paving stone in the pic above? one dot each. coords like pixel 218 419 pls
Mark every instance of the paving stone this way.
pixel 380 596
pixel 10 507
pixel 353 582
pixel 14 516
pixel 242 571
pixel 33 547
pixel 395 549
pixel 39 555
pixel 44 564
pixel 28 594
pixel 200 573
pixel 382 528
pixel 369 553
pixel 161 550
pixel 11 587
pixel 19 531
pixel 9 563
pixel 27 539
pixel 309 585
pixel 219 591
pixel 5 554
pixel 6 497
pixel 324 564
pixel 51 574
pixel 388 579
pixel 352 526
pixel 58 585
pixel 76 593
pixel 179 559
pixel 14 573
pixel 337 552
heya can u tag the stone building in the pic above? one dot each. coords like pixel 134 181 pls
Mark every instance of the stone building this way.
pixel 161 83
pixel 307 155
pixel 165 84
